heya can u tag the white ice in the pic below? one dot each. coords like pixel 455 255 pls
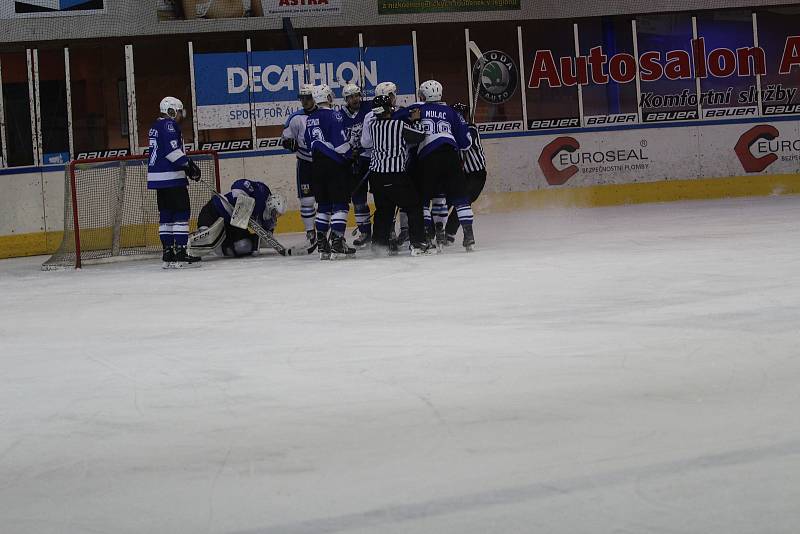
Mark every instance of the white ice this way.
pixel 615 370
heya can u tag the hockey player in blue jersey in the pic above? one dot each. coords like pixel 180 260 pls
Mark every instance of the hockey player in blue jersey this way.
pixel 353 113
pixel 216 230
pixel 167 172
pixel 330 171
pixel 439 163
pixel 293 139
pixel 474 161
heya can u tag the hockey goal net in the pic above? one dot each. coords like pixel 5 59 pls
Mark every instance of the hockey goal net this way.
pixel 109 212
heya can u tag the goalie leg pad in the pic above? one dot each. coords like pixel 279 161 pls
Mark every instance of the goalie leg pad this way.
pixel 205 240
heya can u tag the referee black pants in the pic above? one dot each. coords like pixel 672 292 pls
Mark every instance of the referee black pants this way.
pixel 390 191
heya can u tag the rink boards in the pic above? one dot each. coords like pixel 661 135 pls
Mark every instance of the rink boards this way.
pixel 556 168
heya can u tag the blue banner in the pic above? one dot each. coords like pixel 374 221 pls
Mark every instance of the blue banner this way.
pixel 226 82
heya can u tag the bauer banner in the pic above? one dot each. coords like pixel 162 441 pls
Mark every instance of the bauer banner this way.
pixel 224 90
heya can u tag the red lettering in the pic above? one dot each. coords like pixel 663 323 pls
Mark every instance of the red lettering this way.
pixel 699 53
pixel 544 67
pixel 791 54
pixel 757 55
pixel 650 66
pixel 596 61
pixel 622 68
pixel 722 62
pixel 679 65
pixel 574 70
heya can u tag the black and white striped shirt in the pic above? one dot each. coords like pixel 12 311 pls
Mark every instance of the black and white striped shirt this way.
pixel 389 143
pixel 474 159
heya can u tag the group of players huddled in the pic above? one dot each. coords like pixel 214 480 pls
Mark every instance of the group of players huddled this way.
pixel 423 164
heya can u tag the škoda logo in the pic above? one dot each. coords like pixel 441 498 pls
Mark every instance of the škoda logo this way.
pixel 552 174
pixel 744 146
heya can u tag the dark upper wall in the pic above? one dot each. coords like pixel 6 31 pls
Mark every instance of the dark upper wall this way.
pixel 139 17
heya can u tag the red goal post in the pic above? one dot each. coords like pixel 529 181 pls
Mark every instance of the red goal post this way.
pixel 109 213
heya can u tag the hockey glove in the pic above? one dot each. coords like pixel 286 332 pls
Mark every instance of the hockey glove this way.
pixel 193 171
pixel 290 145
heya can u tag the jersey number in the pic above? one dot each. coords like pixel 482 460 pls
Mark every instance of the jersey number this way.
pixel 153 151
pixel 432 127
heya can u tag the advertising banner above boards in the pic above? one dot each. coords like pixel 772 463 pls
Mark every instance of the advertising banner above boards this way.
pixel 720 75
pixel 396 7
pixel 49 8
pixel 223 99
pixel 229 9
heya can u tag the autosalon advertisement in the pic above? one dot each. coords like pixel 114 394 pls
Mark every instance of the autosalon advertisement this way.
pixel 226 82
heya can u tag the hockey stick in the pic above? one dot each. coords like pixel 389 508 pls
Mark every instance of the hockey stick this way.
pixel 259 230
pixel 360 183
pixel 477 81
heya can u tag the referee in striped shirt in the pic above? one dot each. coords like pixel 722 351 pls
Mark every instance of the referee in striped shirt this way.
pixel 474 161
pixel 391 185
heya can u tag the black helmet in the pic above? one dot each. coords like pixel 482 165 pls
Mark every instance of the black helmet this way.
pixel 461 108
pixel 381 104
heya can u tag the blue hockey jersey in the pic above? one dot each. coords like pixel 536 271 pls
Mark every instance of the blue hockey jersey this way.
pixel 257 190
pixel 325 135
pixel 167 156
pixel 442 124
pixel 353 124
pixel 295 128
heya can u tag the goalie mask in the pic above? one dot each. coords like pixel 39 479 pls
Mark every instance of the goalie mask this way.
pixel 275 207
pixel 172 108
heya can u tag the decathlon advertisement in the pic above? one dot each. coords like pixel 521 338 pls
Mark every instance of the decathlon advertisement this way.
pixel 226 83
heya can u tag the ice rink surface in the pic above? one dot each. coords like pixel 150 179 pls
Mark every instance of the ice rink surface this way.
pixel 615 370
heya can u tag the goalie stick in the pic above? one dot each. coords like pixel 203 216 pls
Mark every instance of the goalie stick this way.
pixel 263 233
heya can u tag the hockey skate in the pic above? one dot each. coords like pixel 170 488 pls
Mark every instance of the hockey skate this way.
pixel 441 237
pixel 311 239
pixel 184 260
pixel 168 258
pixel 340 249
pixel 422 249
pixel 402 237
pixel 469 238
pixel 451 240
pixel 389 249
pixel 430 238
pixel 323 246
pixel 363 239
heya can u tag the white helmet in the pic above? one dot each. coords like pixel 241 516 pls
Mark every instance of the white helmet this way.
pixel 171 107
pixel 431 91
pixel 306 89
pixel 385 89
pixel 351 89
pixel 323 94
pixel 276 204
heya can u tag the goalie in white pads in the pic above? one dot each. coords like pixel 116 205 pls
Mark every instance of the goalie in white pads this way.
pixel 223 228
